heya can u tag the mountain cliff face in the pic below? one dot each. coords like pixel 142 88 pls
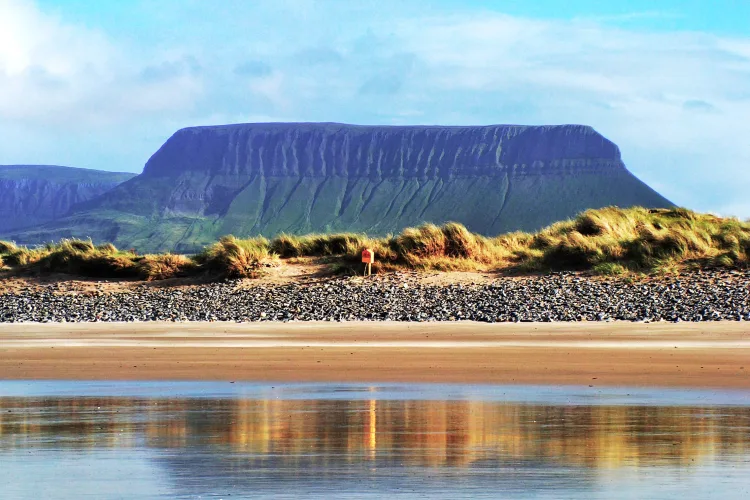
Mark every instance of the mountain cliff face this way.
pixel 35 194
pixel 300 178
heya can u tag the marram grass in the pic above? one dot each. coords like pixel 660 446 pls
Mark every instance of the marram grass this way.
pixel 607 241
pixel 236 258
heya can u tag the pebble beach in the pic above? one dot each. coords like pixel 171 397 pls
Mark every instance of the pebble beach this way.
pixel 706 295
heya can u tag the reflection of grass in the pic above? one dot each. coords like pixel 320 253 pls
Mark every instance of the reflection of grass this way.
pixel 609 241
pixel 574 435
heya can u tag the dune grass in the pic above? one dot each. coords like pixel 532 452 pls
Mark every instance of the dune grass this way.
pixel 164 266
pixel 643 240
pixel 319 245
pixel 72 256
pixel 609 241
pixel 237 258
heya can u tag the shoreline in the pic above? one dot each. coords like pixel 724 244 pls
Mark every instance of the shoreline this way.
pixel 684 355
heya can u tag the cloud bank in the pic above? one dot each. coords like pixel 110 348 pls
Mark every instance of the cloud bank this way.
pixel 675 102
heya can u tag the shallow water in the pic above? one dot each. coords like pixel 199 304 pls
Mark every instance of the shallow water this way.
pixel 216 440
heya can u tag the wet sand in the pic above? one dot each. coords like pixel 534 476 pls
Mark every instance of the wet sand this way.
pixel 701 355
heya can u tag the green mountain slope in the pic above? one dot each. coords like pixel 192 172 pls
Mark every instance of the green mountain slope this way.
pixel 253 179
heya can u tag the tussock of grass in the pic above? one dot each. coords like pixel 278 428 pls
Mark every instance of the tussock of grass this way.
pixel 415 243
pixel 321 245
pixel 21 256
pixel 165 266
pixel 7 247
pixel 607 241
pixel 450 247
pixel 237 258
pixel 83 258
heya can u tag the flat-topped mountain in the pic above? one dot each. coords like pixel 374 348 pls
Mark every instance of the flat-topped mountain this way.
pixel 252 179
pixel 35 194
pixel 330 149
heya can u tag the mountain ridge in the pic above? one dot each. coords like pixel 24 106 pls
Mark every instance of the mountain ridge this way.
pixel 35 194
pixel 264 179
pixel 411 157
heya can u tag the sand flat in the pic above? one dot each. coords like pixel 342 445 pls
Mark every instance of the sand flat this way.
pixel 628 354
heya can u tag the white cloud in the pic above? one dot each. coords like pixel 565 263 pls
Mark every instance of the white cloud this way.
pixel 676 103
pixel 29 39
pixel 632 86
pixel 271 87
pixel 52 72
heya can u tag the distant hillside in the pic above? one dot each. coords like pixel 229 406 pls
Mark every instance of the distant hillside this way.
pixel 35 194
pixel 252 179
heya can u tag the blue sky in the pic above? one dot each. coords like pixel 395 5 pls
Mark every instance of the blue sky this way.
pixel 103 84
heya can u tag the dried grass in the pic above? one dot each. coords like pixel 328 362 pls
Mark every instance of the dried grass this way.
pixel 232 257
pixel 607 241
pixel 165 266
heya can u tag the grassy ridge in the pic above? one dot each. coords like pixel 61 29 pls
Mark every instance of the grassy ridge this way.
pixel 605 241
pixel 61 175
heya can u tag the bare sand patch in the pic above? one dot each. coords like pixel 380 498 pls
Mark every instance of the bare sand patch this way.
pixel 626 354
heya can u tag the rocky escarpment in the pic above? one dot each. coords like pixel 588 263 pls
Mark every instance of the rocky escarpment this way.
pixel 34 194
pixel 319 177
pixel 328 149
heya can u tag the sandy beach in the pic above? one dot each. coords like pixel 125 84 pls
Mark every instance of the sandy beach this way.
pixel 624 354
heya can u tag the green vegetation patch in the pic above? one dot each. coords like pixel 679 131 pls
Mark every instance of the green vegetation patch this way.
pixel 609 241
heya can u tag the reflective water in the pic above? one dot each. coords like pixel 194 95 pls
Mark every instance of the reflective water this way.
pixel 73 440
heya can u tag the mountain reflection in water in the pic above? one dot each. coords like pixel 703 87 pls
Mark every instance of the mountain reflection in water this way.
pixel 204 444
